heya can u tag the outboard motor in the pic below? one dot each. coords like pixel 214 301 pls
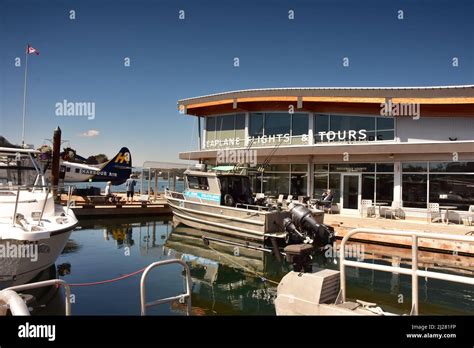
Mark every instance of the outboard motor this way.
pixel 303 228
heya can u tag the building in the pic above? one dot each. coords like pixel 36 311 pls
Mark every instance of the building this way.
pixel 410 145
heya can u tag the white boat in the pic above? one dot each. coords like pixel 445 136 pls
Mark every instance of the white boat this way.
pixel 223 203
pixel 33 229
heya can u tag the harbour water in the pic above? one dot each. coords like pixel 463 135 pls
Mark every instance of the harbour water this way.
pixel 226 280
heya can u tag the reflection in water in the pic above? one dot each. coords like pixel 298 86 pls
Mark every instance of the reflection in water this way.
pixel 228 279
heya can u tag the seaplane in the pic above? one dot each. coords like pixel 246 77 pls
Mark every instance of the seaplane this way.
pixel 117 170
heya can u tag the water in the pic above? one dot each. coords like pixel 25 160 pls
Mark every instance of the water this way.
pixel 226 281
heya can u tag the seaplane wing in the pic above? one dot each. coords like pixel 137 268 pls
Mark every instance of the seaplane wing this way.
pixel 117 170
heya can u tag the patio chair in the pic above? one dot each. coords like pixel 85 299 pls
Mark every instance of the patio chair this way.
pixel 433 211
pixel 394 211
pixel 469 215
pixel 367 206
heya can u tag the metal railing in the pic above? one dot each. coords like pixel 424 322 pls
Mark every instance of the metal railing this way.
pixel 18 306
pixel 47 189
pixel 187 295
pixel 413 271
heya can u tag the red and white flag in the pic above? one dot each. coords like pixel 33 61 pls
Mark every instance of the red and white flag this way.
pixel 31 50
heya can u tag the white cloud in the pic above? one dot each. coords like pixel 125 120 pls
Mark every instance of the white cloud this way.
pixel 90 133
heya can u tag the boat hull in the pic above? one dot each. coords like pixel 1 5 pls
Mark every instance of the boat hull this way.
pixel 20 270
pixel 242 223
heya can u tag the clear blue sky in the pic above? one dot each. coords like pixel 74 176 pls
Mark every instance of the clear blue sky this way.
pixel 82 59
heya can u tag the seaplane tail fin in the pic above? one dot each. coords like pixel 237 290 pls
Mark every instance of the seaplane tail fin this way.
pixel 121 165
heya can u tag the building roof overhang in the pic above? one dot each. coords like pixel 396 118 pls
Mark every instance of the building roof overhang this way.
pixel 436 100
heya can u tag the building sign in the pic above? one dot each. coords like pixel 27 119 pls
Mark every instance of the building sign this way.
pixel 283 139
pixel 350 135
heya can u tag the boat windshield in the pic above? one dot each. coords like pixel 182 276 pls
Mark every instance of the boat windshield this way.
pixel 238 187
pixel 19 169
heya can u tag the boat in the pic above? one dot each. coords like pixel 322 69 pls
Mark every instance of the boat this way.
pixel 33 228
pixel 223 203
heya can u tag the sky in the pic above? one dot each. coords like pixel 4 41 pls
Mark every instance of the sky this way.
pixel 82 59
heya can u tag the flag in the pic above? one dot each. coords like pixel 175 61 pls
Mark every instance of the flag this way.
pixel 31 50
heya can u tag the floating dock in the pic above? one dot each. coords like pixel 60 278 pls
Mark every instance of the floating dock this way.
pixel 343 224
pixel 87 210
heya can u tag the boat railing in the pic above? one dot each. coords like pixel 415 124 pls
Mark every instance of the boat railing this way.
pixel 414 272
pixel 17 305
pixel 188 287
pixel 251 207
pixel 47 189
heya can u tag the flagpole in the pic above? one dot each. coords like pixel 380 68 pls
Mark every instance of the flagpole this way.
pixel 24 97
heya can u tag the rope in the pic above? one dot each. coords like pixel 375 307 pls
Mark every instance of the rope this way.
pixel 255 273
pixel 110 280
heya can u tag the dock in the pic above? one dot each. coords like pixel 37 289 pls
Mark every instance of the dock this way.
pixel 88 210
pixel 343 224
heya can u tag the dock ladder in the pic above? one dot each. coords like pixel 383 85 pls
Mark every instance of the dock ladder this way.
pixel 186 296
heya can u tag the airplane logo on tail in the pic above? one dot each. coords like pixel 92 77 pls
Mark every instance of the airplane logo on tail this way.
pixel 123 157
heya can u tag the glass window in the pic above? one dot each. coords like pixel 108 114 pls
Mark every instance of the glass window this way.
pixel 277 123
pixel 299 124
pixel 299 168
pixel 198 183
pixel 350 128
pixel 335 186
pixel 256 124
pixel 278 168
pixel 321 123
pixel 211 124
pixel 414 188
pixel 299 183
pixel 451 167
pixel 384 167
pixel 385 135
pixel 368 186
pixel 452 189
pixel 276 183
pixel 385 123
pixel 320 167
pixel 384 188
pixel 240 121
pixel 320 184
pixel 341 123
pixel 225 127
pixel 414 167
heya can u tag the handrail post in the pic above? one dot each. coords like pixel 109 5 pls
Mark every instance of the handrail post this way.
pixel 414 276
pixel 44 206
pixel 342 268
pixel 16 204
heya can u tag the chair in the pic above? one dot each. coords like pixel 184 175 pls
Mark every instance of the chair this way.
pixel 366 204
pixel 433 211
pixel 289 199
pixel 280 199
pixel 394 211
pixel 469 215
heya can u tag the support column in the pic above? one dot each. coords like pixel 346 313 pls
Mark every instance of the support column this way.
pixel 311 129
pixel 204 133
pixel 397 181
pixel 246 133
